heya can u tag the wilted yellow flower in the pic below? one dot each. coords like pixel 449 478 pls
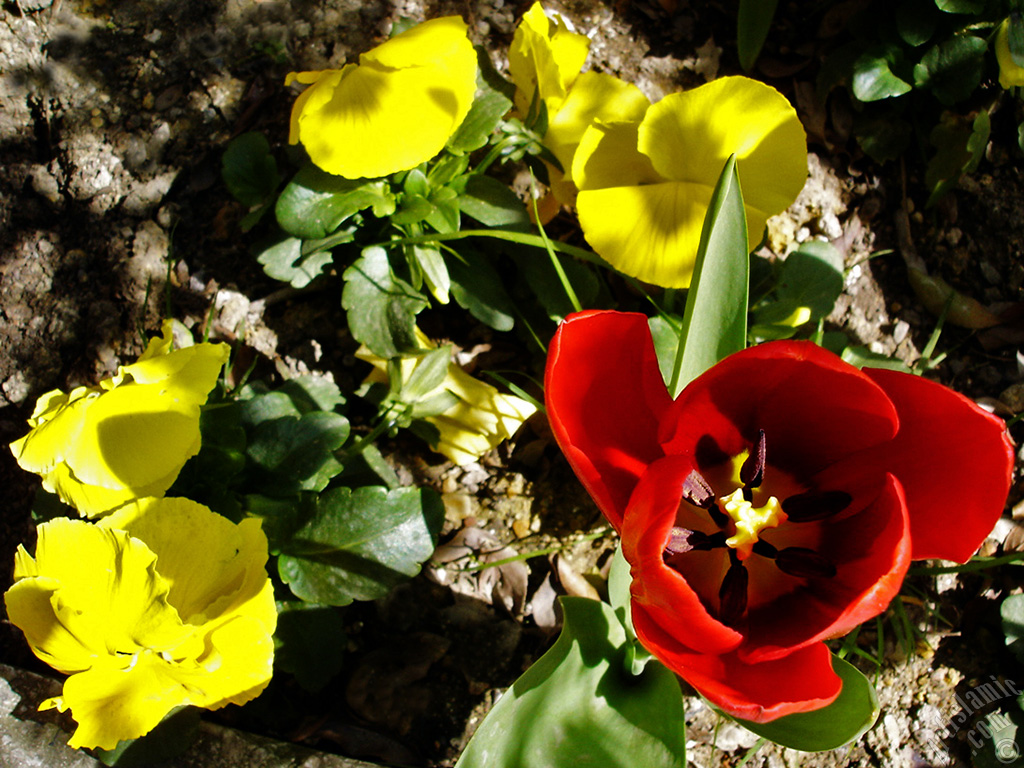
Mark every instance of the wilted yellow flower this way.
pixel 544 62
pixel 1009 73
pixel 127 437
pixel 645 185
pixel 480 418
pixel 161 604
pixel 392 111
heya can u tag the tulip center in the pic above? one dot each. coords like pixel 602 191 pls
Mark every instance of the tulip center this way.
pixel 741 517
pixel 750 520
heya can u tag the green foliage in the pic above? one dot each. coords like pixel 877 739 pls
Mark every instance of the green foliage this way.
pixel 250 173
pixel 382 307
pixel 308 642
pixel 358 545
pixel 842 721
pixel 806 288
pixel 580 706
pixel 715 321
pixel 314 203
pixel 171 737
pixel 752 25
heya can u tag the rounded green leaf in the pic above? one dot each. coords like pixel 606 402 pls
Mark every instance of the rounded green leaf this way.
pixel 953 68
pixel 873 76
pixel 359 544
pixel 249 170
pixel 315 203
pixel 579 706
pixel 842 721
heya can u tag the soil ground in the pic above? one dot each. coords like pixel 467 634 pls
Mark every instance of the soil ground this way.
pixel 113 119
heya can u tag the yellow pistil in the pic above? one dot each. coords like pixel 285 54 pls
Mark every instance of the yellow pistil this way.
pixel 750 520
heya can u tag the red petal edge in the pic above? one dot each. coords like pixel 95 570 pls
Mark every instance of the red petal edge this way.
pixel 803 681
pixel 605 399
pixel 954 460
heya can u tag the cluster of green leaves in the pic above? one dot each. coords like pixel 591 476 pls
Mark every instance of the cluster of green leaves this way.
pixel 913 71
pixel 339 525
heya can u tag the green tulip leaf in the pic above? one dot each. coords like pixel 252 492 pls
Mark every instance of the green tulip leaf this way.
pixel 381 307
pixel 842 721
pixel 249 169
pixel 360 544
pixel 579 707
pixel 665 335
pixel 315 203
pixel 307 642
pixel 754 20
pixel 715 319
pixel 873 75
pixel 952 69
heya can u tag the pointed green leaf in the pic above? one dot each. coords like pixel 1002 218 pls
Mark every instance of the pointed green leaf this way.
pixel 360 544
pixel 381 307
pixel 477 287
pixel 842 721
pixel 755 18
pixel 715 320
pixel 493 203
pixel 874 77
pixel 579 707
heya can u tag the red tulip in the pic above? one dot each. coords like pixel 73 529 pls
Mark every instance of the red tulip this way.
pixel 776 503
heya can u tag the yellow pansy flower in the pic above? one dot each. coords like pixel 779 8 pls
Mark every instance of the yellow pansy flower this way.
pixel 161 604
pixel 129 436
pixel 544 63
pixel 480 418
pixel 645 185
pixel 392 111
pixel 1010 74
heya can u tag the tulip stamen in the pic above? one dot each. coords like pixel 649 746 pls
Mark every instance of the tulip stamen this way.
pixel 732 595
pixel 805 563
pixel 752 471
pixel 815 505
pixel 699 492
pixel 682 540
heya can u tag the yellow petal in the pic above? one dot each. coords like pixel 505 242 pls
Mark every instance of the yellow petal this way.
pixel 58 428
pixel 690 135
pixel 650 232
pixel 397 108
pixel 545 58
pixel 594 96
pixel 193 369
pixel 93 594
pixel 1010 74
pixel 134 435
pixel 214 567
pixel 607 157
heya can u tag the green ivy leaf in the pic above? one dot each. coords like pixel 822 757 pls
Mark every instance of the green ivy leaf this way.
pixel 308 642
pixel 952 69
pixel 916 21
pixel 578 706
pixel 360 544
pixel 249 170
pixel 754 20
pixel 873 75
pixel 477 287
pixel 842 721
pixel 315 203
pixel 715 320
pixel 381 307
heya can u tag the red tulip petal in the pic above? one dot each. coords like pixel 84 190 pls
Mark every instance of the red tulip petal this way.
pixel 954 460
pixel 665 596
pixel 800 682
pixel 814 408
pixel 605 399
pixel 871 550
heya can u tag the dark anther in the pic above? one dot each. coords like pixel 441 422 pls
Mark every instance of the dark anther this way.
pixel 815 505
pixel 800 561
pixel 733 594
pixel 752 471
pixel 682 540
pixel 697 491
pixel 764 549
